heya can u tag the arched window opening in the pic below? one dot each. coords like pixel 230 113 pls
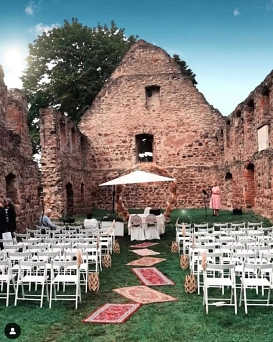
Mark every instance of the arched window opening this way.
pixel 82 144
pixel 11 188
pixel 228 176
pixel 238 113
pixel 152 97
pixel 249 185
pixel 144 147
pixel 73 137
pixel 250 103
pixel 82 191
pixel 265 91
pixel 63 133
pixel 228 190
pixel 69 199
pixel 228 133
pixel 250 166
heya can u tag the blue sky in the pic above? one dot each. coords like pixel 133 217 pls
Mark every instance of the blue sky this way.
pixel 228 44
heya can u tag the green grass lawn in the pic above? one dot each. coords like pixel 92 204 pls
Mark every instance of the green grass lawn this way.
pixel 183 320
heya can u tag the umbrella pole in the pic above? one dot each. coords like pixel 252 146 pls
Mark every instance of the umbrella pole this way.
pixel 113 198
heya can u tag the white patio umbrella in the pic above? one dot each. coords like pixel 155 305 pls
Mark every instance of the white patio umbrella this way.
pixel 135 177
pixel 138 177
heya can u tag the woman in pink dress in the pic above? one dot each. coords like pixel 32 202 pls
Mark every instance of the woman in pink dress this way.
pixel 215 199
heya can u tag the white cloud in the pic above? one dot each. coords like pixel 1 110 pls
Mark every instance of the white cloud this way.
pixel 269 6
pixel 40 28
pixel 236 12
pixel 30 8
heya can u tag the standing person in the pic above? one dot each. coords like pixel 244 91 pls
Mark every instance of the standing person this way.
pixel 215 199
pixel 1 225
pixel 8 217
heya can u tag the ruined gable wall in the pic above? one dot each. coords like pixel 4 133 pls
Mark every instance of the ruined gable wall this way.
pixel 18 172
pixel 3 99
pixel 187 131
pixel 63 162
pixel 16 119
pixel 251 169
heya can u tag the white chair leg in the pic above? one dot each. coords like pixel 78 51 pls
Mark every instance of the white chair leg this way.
pixel 245 299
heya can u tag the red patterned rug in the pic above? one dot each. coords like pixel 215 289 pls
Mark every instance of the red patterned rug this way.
pixel 144 244
pixel 112 313
pixel 151 276
pixel 144 294
pixel 145 251
pixel 145 261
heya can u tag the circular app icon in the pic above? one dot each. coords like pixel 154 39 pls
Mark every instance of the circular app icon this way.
pixel 12 330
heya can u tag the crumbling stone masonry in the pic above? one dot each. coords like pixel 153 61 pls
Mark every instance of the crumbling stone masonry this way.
pixel 147 99
pixel 66 176
pixel 18 172
pixel 248 152
pixel 149 116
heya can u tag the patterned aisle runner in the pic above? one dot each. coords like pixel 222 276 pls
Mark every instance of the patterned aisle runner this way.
pixel 144 294
pixel 112 313
pixel 151 276
pixel 146 261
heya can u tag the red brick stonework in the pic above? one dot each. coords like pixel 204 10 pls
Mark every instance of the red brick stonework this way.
pixel 147 94
pixel 18 172
pixel 145 106
pixel 66 175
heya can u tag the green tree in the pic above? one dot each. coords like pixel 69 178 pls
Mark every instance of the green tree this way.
pixel 68 66
pixel 185 69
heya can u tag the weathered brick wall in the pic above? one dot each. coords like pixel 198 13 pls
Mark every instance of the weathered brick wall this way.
pixel 16 119
pixel 3 98
pixel 63 162
pixel 187 131
pixel 192 141
pixel 251 169
pixel 18 172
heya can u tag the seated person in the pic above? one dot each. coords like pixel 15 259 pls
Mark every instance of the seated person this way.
pixel 46 222
pixel 90 222
pixel 155 211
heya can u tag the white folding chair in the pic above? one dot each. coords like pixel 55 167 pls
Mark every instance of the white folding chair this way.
pixel 151 229
pixel 212 258
pixel 83 267
pixel 31 272
pixel 19 236
pixel 180 238
pixel 6 277
pixel 136 229
pixel 261 277
pixel 255 225
pixel 238 225
pixel 16 257
pixel 219 276
pixel 200 227
pixel 61 274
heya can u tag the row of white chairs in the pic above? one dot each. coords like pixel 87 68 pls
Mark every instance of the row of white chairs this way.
pixel 185 237
pixel 217 225
pixel 48 270
pixel 223 277
pixel 230 254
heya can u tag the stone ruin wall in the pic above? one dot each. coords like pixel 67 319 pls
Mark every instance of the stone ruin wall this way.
pixel 188 132
pixel 18 172
pixel 66 176
pixel 248 170
pixel 192 142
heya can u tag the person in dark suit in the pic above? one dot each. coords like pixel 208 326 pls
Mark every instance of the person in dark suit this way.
pixel 1 208
pixel 8 217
